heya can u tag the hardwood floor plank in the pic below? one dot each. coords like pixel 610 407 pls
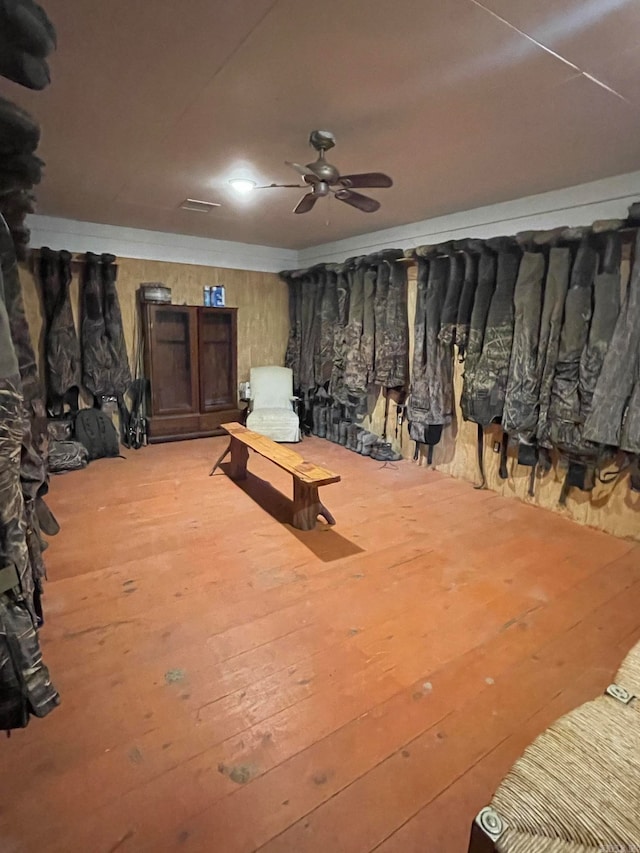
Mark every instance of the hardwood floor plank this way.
pixel 397 788
pixel 226 680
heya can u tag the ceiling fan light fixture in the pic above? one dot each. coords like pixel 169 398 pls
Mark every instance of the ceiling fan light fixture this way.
pixel 243 186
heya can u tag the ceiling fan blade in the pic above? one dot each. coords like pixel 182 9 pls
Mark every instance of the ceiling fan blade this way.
pixel 306 203
pixel 279 186
pixel 362 202
pixel 305 171
pixel 366 180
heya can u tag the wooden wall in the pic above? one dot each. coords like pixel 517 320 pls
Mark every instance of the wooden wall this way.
pixel 261 299
pixel 613 508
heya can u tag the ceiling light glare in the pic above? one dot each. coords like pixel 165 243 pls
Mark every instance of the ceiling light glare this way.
pixel 242 185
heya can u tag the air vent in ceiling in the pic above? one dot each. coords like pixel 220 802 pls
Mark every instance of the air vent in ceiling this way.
pixel 198 206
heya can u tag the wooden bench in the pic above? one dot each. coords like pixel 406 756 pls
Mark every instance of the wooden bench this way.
pixel 307 477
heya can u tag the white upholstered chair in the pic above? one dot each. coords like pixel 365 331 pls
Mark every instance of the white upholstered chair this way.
pixel 272 410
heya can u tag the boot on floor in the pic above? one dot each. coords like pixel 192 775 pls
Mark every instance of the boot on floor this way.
pixel 384 452
pixel 368 441
pixel 334 430
pixel 352 437
pixel 315 417
pixel 322 421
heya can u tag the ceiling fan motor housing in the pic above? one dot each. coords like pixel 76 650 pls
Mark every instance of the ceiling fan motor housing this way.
pixel 322 140
pixel 324 171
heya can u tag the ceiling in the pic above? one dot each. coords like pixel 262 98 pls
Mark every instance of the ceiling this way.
pixel 463 103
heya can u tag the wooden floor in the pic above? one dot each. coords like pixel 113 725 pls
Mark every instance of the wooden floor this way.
pixel 231 684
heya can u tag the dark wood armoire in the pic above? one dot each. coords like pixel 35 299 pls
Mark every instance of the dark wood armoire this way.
pixel 191 362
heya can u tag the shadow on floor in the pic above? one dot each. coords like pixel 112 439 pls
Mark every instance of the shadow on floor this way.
pixel 325 542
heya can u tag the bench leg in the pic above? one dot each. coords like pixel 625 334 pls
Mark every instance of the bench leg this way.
pixel 220 459
pixel 307 506
pixel 239 459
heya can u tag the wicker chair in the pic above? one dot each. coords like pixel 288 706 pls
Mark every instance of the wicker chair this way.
pixel 576 788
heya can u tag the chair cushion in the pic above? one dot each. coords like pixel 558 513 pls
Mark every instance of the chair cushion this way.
pixel 579 781
pixel 276 424
pixel 518 842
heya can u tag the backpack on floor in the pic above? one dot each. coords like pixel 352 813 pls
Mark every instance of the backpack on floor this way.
pixel 67 456
pixel 96 431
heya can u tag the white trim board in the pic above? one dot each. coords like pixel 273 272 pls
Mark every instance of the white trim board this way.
pixel 76 236
pixel 578 205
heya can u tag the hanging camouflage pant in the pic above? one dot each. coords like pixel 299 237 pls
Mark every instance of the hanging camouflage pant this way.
pixel 17 317
pixel 486 403
pixel 24 681
pixel 49 280
pixel 380 304
pixel 565 404
pixel 584 457
pixel 105 365
pixel 481 304
pixel 328 315
pixel 431 403
pixel 61 341
pixel 33 456
pixel 467 295
pixel 630 438
pixel 26 39
pixel 367 342
pixel 360 332
pixel 614 392
pixel 292 355
pixel 337 388
pixel 555 293
pixel 606 308
pixel 119 378
pixel 449 317
pixel 520 414
pixel 392 326
pixel 13 541
pixel 96 359
pixel 312 293
pixel 25 685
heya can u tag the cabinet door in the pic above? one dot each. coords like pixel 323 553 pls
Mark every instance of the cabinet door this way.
pixel 173 359
pixel 217 345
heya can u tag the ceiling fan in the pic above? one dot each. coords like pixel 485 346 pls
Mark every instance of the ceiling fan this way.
pixel 324 178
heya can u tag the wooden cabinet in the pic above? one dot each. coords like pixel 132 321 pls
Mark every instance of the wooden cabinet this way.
pixel 191 362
